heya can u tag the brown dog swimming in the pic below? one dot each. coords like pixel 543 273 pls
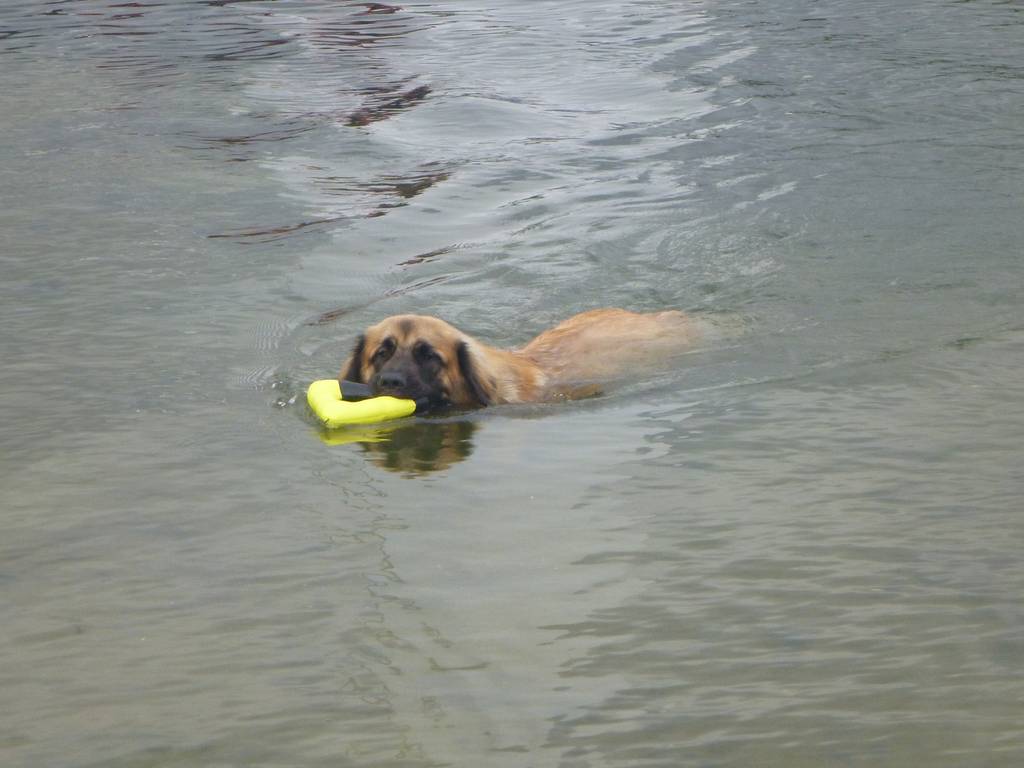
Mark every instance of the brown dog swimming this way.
pixel 418 356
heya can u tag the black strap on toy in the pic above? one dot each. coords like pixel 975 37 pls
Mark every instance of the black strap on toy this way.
pixel 352 390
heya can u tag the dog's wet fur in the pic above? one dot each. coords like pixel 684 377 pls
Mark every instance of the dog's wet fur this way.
pixel 424 358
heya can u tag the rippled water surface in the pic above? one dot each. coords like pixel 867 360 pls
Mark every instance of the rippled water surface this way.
pixel 800 547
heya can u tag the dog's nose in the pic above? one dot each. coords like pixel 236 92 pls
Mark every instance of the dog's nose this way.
pixel 390 380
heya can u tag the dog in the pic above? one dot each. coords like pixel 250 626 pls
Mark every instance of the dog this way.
pixel 424 358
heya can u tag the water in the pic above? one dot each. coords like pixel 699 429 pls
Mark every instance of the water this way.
pixel 801 547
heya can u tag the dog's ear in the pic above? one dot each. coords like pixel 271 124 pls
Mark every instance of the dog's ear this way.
pixel 352 370
pixel 482 388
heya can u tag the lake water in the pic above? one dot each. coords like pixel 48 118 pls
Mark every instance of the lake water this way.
pixel 800 547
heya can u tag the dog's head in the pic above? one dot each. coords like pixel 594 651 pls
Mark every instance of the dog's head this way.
pixel 420 357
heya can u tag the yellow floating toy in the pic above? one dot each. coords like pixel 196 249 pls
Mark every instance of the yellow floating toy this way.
pixel 325 398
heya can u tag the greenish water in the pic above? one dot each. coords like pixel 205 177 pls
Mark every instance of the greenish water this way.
pixel 802 547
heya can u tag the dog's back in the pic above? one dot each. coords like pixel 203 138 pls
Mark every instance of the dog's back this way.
pixel 605 344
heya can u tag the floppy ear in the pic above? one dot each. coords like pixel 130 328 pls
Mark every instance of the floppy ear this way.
pixel 352 370
pixel 482 389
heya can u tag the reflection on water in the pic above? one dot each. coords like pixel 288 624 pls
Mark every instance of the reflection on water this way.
pixel 424 447
pixel 800 548
pixel 428 445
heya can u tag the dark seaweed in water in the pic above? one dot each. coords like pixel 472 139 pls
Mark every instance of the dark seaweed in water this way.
pixel 388 106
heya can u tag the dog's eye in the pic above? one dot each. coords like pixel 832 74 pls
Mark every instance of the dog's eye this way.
pixel 384 351
pixel 424 353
